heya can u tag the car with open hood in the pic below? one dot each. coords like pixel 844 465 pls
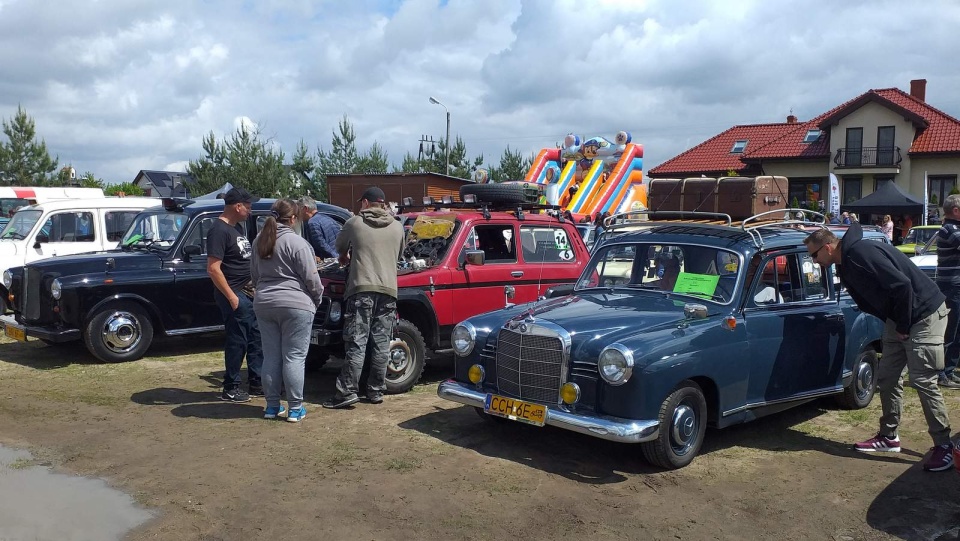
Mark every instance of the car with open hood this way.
pixel 461 258
pixel 673 326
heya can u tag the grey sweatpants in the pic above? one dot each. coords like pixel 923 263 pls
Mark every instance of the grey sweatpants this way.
pixel 285 335
pixel 922 355
pixel 368 321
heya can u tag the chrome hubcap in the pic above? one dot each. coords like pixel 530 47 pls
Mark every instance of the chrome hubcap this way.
pixel 400 358
pixel 683 429
pixel 121 332
pixel 864 379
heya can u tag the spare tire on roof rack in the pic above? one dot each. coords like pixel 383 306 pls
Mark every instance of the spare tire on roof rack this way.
pixel 511 193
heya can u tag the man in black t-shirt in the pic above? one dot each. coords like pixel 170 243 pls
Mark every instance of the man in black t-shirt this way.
pixel 228 264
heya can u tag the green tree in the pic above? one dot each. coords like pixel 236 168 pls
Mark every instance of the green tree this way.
pixel 23 160
pixel 301 171
pixel 513 166
pixel 245 160
pixel 88 180
pixel 343 158
pixel 127 188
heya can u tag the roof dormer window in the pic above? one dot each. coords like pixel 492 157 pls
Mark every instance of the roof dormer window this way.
pixel 739 147
pixel 812 136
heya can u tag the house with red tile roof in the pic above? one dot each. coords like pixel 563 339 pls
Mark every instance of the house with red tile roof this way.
pixel 884 135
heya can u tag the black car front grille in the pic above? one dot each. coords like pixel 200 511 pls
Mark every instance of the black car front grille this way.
pixel 529 366
pixel 322 310
pixel 31 293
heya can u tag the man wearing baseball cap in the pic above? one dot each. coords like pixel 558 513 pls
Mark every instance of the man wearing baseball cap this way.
pixel 370 243
pixel 228 264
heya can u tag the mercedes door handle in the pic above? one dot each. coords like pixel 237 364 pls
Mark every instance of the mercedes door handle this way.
pixel 516 274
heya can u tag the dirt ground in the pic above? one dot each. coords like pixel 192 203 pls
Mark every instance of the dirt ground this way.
pixel 417 467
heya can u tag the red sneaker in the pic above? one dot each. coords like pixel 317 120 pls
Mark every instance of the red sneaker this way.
pixel 879 444
pixel 941 459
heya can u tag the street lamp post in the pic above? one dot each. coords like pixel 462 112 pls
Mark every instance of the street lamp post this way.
pixel 446 144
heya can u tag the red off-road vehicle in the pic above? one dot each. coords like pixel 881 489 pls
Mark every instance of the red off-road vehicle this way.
pixel 460 260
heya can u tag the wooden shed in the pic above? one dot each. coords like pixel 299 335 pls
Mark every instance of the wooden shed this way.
pixel 345 189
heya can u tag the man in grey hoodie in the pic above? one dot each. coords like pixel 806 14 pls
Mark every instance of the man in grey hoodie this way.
pixel 370 243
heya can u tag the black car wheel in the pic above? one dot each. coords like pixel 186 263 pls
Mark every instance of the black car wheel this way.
pixel 860 392
pixel 119 333
pixel 683 422
pixel 408 354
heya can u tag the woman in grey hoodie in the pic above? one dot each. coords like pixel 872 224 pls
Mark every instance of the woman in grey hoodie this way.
pixel 288 292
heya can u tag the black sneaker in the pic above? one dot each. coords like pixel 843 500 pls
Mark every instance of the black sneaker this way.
pixel 338 401
pixel 948 383
pixel 255 390
pixel 234 395
pixel 375 397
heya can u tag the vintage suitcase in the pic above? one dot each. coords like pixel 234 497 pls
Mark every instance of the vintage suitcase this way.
pixel 665 194
pixel 742 197
pixel 700 194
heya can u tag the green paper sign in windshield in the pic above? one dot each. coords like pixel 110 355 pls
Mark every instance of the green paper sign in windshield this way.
pixel 703 284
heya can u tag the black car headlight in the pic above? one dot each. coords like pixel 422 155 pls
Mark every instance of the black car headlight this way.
pixel 56 289
pixel 615 364
pixel 463 338
pixel 7 278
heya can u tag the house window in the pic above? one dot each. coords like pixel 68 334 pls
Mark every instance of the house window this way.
pixel 940 187
pixel 739 147
pixel 885 144
pixel 807 192
pixel 853 152
pixel 879 181
pixel 812 136
pixel 852 188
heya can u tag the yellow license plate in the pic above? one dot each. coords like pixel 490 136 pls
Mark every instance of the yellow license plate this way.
pixel 15 332
pixel 515 410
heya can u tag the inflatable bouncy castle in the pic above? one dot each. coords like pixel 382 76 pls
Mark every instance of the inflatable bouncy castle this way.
pixel 591 176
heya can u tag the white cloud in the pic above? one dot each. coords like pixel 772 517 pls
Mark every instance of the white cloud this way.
pixel 121 85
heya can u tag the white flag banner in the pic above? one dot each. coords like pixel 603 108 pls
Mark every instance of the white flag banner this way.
pixel 834 205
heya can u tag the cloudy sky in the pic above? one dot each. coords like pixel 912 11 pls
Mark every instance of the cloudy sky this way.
pixel 116 86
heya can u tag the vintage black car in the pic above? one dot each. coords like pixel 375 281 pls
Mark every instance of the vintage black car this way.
pixel 672 327
pixel 117 300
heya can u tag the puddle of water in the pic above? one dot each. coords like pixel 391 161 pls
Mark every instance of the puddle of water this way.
pixel 37 504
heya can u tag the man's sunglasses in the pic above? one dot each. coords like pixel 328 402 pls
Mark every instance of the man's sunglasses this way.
pixel 817 251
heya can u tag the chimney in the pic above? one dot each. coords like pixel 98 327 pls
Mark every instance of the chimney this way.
pixel 918 89
pixel 791 119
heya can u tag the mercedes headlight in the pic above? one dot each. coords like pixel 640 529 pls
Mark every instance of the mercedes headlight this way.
pixel 7 278
pixel 335 312
pixel 56 289
pixel 616 364
pixel 463 338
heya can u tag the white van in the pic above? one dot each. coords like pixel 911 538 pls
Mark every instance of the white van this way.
pixel 68 227
pixel 14 197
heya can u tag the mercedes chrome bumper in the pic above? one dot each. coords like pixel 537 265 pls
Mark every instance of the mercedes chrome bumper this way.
pixel 599 426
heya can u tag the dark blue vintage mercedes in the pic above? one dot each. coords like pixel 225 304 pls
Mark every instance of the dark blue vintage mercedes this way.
pixel 116 301
pixel 673 326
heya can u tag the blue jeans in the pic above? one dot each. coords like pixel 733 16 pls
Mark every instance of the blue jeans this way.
pixel 243 339
pixel 286 338
pixel 951 338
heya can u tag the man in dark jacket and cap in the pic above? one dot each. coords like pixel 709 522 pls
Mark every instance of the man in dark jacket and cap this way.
pixel 886 284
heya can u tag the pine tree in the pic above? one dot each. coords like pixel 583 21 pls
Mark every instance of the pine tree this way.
pixel 23 160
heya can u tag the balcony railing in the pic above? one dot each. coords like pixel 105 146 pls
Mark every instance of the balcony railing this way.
pixel 868 157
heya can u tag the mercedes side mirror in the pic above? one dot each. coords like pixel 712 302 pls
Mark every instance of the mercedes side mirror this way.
pixel 191 250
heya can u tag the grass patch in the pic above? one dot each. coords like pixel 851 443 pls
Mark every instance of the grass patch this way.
pixel 339 453
pixel 404 465
pixel 856 417
pixel 21 464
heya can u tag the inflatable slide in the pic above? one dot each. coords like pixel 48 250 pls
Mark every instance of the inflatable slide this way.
pixel 608 176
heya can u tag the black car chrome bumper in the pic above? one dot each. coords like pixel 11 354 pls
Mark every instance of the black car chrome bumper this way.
pixel 50 334
pixel 600 426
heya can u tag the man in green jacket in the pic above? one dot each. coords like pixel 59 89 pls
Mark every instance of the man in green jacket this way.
pixel 370 243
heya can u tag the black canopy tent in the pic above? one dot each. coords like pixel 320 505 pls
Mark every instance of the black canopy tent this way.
pixel 888 199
